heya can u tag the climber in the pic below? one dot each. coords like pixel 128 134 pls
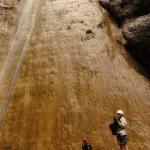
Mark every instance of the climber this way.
pixel 86 145
pixel 120 132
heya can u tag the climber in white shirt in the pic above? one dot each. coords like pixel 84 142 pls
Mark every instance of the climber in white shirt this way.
pixel 121 132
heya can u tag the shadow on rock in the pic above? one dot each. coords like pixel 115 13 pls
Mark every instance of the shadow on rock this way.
pixel 134 19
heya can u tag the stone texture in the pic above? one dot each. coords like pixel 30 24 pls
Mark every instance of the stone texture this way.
pixel 138 31
pixel 74 75
pixel 134 18
pixel 123 9
pixel 137 35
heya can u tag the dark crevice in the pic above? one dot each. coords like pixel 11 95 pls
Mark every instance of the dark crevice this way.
pixel 142 57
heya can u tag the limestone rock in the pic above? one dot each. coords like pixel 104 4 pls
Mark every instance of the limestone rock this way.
pixel 134 18
pixel 66 87
pixel 138 31
pixel 137 34
pixel 122 9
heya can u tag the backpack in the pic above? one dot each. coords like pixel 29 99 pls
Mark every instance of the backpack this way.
pixel 86 147
pixel 113 127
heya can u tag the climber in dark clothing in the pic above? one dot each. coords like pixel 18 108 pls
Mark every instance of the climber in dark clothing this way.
pixel 86 145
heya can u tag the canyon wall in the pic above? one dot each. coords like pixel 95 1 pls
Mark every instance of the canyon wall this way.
pixel 73 76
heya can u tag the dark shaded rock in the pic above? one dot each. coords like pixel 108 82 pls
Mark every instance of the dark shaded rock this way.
pixel 137 35
pixel 123 9
pixel 137 31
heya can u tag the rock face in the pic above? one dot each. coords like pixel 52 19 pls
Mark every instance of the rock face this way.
pixel 137 32
pixel 73 76
pixel 134 18
pixel 123 9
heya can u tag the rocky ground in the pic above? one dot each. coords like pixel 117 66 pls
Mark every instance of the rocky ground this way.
pixel 134 19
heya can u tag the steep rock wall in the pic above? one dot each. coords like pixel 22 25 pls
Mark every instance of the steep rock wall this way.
pixel 74 76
